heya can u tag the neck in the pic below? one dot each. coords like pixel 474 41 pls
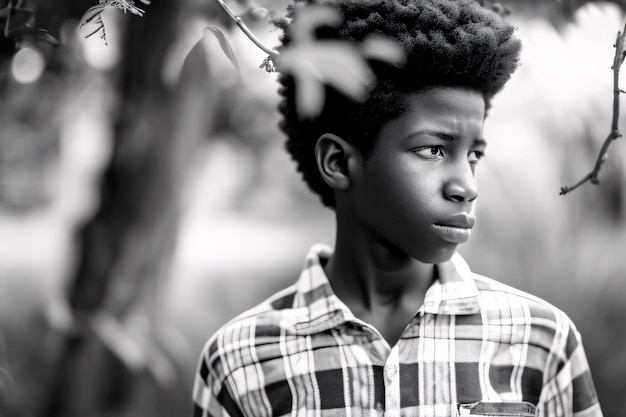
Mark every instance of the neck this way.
pixel 368 273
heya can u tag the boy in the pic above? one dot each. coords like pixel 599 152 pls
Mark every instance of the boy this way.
pixel 392 322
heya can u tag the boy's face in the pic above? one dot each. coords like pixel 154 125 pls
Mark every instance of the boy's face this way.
pixel 417 191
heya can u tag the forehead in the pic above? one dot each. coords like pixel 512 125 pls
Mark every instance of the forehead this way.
pixel 448 96
pixel 456 110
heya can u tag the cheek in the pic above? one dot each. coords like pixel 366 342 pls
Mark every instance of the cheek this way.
pixel 401 193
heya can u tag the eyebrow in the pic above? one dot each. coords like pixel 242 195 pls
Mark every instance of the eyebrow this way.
pixel 449 137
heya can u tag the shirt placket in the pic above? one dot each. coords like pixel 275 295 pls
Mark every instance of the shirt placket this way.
pixel 391 374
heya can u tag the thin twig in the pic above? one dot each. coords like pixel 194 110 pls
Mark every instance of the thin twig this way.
pixel 246 30
pixel 615 133
pixel 7 24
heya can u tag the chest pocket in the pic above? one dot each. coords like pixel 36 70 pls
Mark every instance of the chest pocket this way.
pixel 487 409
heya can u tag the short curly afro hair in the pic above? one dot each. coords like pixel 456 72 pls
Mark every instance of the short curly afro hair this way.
pixel 455 43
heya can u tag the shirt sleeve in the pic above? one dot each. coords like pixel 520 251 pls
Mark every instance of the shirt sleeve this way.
pixel 571 392
pixel 211 397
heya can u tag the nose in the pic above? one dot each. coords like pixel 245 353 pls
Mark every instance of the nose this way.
pixel 462 186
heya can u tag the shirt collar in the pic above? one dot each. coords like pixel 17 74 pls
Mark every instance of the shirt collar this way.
pixel 317 308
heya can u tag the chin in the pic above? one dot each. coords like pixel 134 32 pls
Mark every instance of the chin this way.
pixel 437 257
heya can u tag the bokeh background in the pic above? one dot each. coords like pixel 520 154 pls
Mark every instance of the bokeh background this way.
pixel 145 198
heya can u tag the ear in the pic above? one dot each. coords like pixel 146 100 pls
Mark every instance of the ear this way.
pixel 333 154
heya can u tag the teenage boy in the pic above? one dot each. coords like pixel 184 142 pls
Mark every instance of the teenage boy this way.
pixel 392 322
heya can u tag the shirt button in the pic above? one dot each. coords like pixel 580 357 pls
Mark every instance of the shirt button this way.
pixel 390 371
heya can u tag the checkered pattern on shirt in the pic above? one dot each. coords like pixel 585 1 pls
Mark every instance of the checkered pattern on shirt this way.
pixel 302 352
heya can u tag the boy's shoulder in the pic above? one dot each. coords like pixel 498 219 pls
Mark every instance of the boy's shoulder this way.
pixel 491 300
pixel 527 315
pixel 271 316
pixel 277 310
pixel 496 295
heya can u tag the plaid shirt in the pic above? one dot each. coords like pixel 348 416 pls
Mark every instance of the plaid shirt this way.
pixel 475 347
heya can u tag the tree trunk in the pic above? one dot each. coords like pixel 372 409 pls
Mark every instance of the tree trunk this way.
pixel 124 250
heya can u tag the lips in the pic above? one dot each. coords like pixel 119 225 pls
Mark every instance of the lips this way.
pixel 455 229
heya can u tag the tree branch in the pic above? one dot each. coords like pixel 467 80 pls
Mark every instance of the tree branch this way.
pixel 618 60
pixel 246 30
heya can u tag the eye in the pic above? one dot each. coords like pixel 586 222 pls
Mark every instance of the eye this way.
pixel 430 152
pixel 475 156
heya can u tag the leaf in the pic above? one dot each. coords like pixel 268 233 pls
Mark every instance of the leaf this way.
pixel 315 63
pixel 16 17
pixel 340 64
pixel 116 337
pixel 336 63
pixel 125 5
pixel 27 32
pixel 93 16
pixel 310 18
pixel 92 13
pixel 197 57
pixel 384 49
pixel 310 96
pixel 224 44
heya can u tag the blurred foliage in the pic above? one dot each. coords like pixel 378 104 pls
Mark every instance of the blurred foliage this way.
pixel 28 146
pixel 339 64
pixel 245 218
pixel 93 16
pixel 16 27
